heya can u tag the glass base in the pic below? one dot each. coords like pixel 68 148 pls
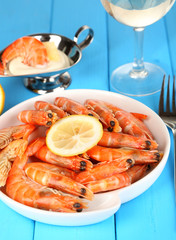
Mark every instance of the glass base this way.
pixel 131 83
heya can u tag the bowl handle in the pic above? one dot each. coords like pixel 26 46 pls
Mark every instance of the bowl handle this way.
pixel 88 38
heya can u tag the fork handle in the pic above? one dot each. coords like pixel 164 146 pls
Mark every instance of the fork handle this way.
pixel 174 135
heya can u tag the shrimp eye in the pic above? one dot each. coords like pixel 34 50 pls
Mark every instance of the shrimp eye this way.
pixel 148 142
pixel 110 129
pixel 77 205
pixel 49 123
pixel 50 115
pixel 83 163
pixel 83 191
pixel 90 114
pixel 129 160
pixel 112 123
pixel 82 168
pixel 157 156
pixel 79 210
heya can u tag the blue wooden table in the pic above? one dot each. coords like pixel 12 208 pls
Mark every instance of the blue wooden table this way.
pixel 152 215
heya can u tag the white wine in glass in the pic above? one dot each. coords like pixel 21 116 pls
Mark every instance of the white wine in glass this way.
pixel 138 78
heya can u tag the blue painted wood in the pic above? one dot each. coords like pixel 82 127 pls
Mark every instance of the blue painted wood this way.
pixel 68 17
pixel 91 73
pixel 19 18
pixel 100 231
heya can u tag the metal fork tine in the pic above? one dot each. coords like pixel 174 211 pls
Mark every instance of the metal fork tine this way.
pixel 168 96
pixel 169 117
pixel 173 97
pixel 161 101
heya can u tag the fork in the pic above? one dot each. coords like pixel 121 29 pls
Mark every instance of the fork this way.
pixel 169 116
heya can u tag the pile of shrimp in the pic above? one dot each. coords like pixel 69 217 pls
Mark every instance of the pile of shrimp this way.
pixel 36 177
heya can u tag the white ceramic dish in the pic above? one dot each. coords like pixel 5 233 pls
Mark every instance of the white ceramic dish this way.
pixel 106 204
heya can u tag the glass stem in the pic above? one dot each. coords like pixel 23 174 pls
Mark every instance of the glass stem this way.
pixel 138 64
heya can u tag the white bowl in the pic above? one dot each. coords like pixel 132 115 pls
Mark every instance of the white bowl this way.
pixel 104 205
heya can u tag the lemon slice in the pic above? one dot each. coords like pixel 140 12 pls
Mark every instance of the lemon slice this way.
pixel 74 135
pixel 2 99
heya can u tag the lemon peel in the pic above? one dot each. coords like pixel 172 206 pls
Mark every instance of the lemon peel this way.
pixel 2 98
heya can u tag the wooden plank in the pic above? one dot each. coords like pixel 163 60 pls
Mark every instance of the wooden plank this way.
pixel 14 226
pixel 99 231
pixel 90 72
pixel 19 18
pixel 145 217
pixel 171 35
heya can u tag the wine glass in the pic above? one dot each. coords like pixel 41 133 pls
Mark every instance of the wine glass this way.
pixel 138 78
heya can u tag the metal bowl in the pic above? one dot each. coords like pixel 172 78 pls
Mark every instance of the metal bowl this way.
pixel 50 81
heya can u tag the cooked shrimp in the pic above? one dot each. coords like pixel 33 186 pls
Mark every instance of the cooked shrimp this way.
pixel 128 122
pixel 104 170
pixel 119 180
pixel 102 154
pixel 32 51
pixel 75 163
pixel 113 139
pixel 24 190
pixel 45 106
pixel 51 176
pixel 16 132
pixel 46 118
pixel 106 116
pixel 73 107
pixel 7 155
pixel 38 148
pixel 1 69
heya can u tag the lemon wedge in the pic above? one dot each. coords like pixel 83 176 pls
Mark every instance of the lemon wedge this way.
pixel 2 98
pixel 74 135
pixel 52 51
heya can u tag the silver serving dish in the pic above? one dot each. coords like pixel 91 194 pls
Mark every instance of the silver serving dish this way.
pixel 50 81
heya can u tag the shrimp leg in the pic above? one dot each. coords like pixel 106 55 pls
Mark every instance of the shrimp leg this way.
pixel 7 155
pixel 15 132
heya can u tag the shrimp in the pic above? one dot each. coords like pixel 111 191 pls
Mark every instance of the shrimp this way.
pixel 104 170
pixel 113 139
pixel 128 122
pixel 119 180
pixel 75 163
pixel 7 155
pixel 106 116
pixel 15 132
pixel 52 176
pixel 110 154
pixel 45 106
pixel 32 51
pixel 24 190
pixel 45 118
pixel 1 69
pixel 73 107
